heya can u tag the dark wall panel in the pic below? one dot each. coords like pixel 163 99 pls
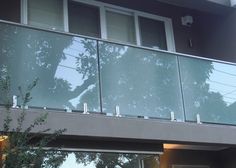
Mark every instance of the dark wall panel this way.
pixel 10 10
pixel 189 157
pixel 221 41
pixel 228 158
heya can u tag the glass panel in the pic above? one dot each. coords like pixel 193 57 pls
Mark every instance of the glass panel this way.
pixel 98 160
pixel 65 65
pixel 46 14
pixel 120 27
pixel 84 19
pixel 209 89
pixel 151 162
pixel 10 10
pixel 152 33
pixel 101 160
pixel 140 82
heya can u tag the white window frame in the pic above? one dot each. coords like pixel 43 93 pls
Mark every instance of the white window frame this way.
pixel 168 28
pixel 127 13
pixel 102 10
pixel 24 14
pixel 104 6
pixel 65 16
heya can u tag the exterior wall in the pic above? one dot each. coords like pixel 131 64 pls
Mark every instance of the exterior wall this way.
pixel 189 157
pixel 212 35
pixel 182 34
pixel 220 42
pixel 213 159
pixel 227 158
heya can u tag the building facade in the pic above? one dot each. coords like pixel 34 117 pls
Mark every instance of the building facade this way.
pixel 144 84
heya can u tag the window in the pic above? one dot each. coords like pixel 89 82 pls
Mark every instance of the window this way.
pixel 46 14
pixel 151 162
pixel 80 159
pixel 10 10
pixel 84 19
pixel 120 27
pixel 95 19
pixel 152 33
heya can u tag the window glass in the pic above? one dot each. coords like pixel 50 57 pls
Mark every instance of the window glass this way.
pixel 10 10
pixel 152 33
pixel 46 14
pixel 84 19
pixel 120 27
pixel 95 160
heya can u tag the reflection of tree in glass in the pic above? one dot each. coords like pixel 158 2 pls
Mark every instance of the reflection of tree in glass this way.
pixel 53 159
pixel 198 98
pixel 87 64
pixel 28 53
pixel 108 160
pixel 141 82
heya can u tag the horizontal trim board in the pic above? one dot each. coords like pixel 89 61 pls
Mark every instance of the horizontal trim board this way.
pixel 111 146
pixel 133 130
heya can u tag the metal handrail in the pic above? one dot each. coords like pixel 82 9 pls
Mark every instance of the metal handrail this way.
pixel 118 43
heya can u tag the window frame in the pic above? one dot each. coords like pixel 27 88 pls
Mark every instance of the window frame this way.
pixel 24 14
pixel 103 7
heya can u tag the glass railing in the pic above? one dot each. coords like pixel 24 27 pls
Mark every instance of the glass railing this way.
pixel 142 82
pixel 209 89
pixel 66 66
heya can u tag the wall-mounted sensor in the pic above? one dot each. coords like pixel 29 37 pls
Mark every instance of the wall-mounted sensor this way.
pixel 187 20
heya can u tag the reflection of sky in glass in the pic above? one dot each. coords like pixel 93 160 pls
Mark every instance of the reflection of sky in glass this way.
pixel 71 163
pixel 223 80
pixel 76 100
pixel 67 71
pixel 67 67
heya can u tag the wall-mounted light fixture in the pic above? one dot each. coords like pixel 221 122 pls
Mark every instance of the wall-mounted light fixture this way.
pixel 187 20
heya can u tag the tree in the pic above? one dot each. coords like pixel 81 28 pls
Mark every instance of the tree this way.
pixel 24 148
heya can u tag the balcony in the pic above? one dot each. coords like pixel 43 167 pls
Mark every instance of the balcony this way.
pixel 115 79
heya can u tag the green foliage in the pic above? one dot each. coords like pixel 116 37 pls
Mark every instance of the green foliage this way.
pixel 24 148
